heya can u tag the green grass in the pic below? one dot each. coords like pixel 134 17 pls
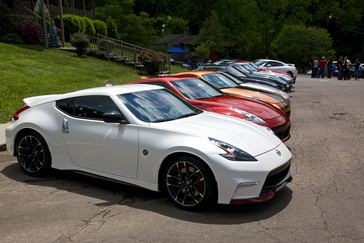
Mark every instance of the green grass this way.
pixel 177 69
pixel 32 70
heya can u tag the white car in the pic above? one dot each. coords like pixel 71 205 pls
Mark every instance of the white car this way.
pixel 146 136
pixel 277 65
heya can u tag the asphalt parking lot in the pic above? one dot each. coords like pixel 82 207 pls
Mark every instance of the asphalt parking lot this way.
pixel 324 203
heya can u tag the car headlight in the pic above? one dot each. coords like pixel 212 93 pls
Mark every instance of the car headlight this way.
pixel 231 152
pixel 250 117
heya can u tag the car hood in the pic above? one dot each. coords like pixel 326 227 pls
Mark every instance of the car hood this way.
pixel 255 107
pixel 250 94
pixel 252 138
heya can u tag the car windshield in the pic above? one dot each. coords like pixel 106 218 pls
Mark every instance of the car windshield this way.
pixel 234 72
pixel 195 89
pixel 219 81
pixel 260 63
pixel 157 105
pixel 248 67
pixel 232 78
pixel 241 69
pixel 255 66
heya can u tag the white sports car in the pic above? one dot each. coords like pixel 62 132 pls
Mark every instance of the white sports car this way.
pixel 146 136
pixel 277 65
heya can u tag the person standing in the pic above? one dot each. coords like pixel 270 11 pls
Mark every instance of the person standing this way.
pixel 329 67
pixel 310 63
pixel 356 69
pixel 339 66
pixel 315 68
pixel 322 65
pixel 345 68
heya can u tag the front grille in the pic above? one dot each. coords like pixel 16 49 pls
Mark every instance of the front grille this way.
pixel 283 133
pixel 277 175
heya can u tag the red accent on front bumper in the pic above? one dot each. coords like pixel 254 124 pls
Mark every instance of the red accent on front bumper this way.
pixel 260 199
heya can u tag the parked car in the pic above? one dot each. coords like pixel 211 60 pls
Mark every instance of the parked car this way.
pixel 146 136
pixel 235 71
pixel 228 86
pixel 265 74
pixel 260 88
pixel 254 68
pixel 277 65
pixel 206 97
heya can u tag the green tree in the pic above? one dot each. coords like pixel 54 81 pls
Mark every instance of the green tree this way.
pixel 298 44
pixel 213 32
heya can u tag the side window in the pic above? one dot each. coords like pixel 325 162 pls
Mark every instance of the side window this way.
pixel 92 107
pixel 65 105
pixel 275 64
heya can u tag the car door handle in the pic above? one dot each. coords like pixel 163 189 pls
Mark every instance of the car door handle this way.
pixel 65 127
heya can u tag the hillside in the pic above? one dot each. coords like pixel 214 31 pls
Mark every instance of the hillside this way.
pixel 32 70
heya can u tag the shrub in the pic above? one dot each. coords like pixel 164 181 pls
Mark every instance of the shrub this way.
pixel 90 29
pixel 71 25
pixel 81 24
pixel 81 42
pixel 151 61
pixel 100 27
pixel 29 33
pixel 112 28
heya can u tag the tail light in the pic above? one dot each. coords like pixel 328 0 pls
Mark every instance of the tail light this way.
pixel 17 113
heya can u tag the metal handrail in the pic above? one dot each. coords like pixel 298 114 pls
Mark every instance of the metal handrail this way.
pixel 39 17
pixel 113 48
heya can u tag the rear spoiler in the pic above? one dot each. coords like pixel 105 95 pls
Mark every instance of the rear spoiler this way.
pixel 37 100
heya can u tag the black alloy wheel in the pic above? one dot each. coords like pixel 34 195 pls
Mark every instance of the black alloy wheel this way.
pixel 190 184
pixel 33 154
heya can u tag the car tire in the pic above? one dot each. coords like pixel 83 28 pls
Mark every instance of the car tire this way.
pixel 33 153
pixel 189 183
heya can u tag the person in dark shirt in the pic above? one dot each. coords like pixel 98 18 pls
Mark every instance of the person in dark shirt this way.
pixel 329 68
pixel 357 69
pixel 322 66
pixel 339 65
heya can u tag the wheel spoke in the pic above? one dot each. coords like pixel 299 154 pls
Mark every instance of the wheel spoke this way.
pixel 185 183
pixel 31 153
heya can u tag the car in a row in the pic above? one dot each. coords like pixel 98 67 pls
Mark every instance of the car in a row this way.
pixel 200 137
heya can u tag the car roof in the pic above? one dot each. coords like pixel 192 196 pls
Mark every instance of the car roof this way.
pixel 113 90
pixel 161 79
pixel 105 90
pixel 269 60
pixel 196 72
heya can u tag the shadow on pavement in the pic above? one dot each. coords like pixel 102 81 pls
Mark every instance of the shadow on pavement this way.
pixel 119 194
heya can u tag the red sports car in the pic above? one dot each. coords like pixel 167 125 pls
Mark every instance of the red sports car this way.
pixel 205 97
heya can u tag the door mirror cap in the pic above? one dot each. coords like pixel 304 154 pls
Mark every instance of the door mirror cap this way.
pixel 269 65
pixel 113 117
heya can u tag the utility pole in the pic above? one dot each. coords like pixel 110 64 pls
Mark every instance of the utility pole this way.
pixel 61 19
pixel 44 25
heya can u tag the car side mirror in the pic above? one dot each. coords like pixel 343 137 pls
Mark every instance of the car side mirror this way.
pixel 269 65
pixel 113 117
